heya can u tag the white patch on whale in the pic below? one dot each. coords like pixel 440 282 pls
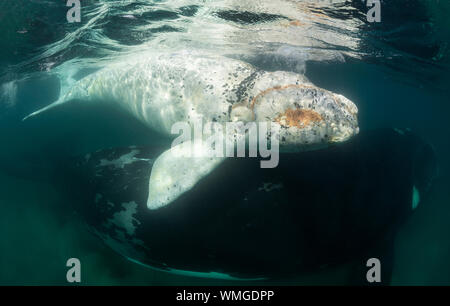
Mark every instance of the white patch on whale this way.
pixel 124 219
pixel 399 131
pixel 123 160
pixel 268 187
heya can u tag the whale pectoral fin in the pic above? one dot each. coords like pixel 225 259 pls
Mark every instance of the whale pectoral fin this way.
pixel 177 170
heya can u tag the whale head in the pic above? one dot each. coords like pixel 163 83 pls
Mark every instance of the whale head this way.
pixel 306 117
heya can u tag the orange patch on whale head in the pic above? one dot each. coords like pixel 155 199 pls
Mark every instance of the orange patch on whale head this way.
pixel 294 23
pixel 298 117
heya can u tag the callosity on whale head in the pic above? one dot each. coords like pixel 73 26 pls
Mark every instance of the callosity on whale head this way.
pixel 307 116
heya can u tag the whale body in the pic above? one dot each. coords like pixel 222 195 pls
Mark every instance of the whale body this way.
pixel 324 208
pixel 164 89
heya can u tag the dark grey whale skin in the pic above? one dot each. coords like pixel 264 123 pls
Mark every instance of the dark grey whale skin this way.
pixel 316 209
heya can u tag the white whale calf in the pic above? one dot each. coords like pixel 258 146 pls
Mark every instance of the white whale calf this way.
pixel 163 89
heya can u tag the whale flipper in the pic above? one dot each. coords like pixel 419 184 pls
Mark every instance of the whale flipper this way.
pixel 177 170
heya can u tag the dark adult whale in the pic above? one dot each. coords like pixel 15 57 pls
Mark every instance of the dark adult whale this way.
pixel 315 209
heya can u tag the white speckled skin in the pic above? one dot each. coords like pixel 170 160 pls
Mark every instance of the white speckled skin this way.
pixel 293 91
pixel 172 173
pixel 162 89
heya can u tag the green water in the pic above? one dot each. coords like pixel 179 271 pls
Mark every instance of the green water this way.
pixel 38 229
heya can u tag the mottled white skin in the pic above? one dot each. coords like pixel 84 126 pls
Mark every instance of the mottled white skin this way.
pixel 163 89
pixel 339 114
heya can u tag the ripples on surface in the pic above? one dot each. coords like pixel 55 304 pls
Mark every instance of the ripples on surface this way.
pixel 283 33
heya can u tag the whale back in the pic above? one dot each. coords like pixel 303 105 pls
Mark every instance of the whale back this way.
pixel 161 90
